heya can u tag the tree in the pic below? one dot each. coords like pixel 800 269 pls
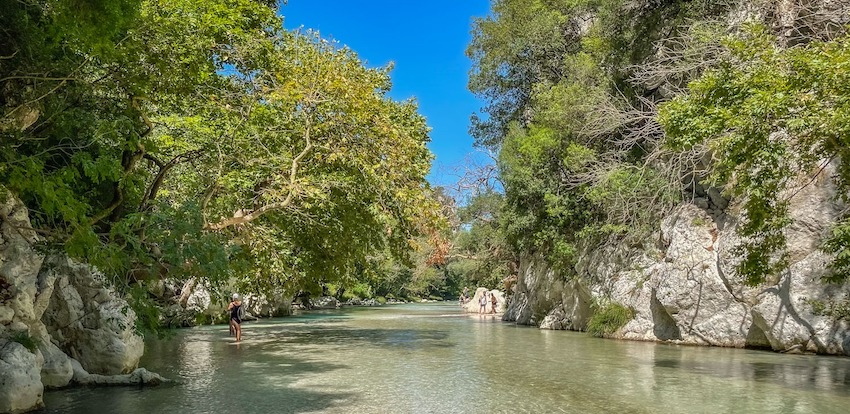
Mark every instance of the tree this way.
pixel 200 139
pixel 769 113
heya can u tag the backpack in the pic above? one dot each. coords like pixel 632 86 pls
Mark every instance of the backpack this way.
pixel 241 312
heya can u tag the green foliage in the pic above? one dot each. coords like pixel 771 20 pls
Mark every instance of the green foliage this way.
pixel 608 318
pixel 24 338
pixel 767 113
pixel 837 243
pixel 558 59
pixel 560 113
pixel 148 313
pixel 189 139
pixel 480 255
pixel 203 319
pixel 573 89
pixel 508 62
pixel 624 195
pixel 837 310
pixel 359 291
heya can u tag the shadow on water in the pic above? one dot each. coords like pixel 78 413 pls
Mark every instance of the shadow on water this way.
pixel 256 386
pixel 274 369
pixel 213 374
pixel 425 359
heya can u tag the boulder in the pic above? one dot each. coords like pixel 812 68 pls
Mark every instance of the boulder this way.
pixel 473 305
pixel 325 302
pixel 20 380
pixel 56 371
pixel 89 322
pixel 277 304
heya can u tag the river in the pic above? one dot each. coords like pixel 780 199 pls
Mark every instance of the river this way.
pixel 430 358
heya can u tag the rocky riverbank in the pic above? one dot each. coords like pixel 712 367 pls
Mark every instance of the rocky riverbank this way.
pixel 59 325
pixel 683 288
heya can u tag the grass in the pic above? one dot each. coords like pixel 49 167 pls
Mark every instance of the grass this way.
pixel 26 340
pixel 608 319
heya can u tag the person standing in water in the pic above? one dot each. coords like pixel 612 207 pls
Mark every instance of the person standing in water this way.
pixel 482 302
pixel 235 309
pixel 493 301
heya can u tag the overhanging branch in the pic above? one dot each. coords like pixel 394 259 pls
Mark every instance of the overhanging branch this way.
pixel 241 217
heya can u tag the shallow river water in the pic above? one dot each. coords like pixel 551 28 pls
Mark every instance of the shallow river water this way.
pixel 430 358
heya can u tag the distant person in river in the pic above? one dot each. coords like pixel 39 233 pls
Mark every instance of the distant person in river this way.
pixel 235 309
pixel 482 303
pixel 493 301
pixel 464 297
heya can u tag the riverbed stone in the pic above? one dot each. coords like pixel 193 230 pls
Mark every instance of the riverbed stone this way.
pixel 139 376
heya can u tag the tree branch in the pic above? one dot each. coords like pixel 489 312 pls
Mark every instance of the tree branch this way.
pixel 242 218
pixel 151 192
pixel 128 161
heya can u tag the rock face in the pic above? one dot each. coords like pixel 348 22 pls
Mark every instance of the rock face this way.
pixel 20 380
pixel 88 322
pixel 325 302
pixel 685 288
pixel 52 307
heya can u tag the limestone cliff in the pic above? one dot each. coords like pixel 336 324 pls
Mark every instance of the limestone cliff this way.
pixel 684 289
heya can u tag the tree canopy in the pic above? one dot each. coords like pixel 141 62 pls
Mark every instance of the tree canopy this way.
pixel 607 114
pixel 201 139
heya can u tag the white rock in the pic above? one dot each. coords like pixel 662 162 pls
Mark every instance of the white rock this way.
pixel 474 304
pixel 139 376
pixel 6 315
pixel 57 371
pixel 89 323
pixel 20 381
pixel 324 302
pixel 684 288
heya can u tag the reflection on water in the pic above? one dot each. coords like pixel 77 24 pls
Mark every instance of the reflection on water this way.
pixel 431 359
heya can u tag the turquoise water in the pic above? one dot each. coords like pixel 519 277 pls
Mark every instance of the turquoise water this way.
pixel 430 358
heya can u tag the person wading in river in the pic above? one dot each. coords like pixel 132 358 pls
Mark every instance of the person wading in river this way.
pixel 493 301
pixel 482 302
pixel 235 309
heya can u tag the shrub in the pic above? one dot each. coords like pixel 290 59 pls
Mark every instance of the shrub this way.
pixel 26 340
pixel 607 319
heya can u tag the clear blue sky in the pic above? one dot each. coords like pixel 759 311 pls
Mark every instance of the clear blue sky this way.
pixel 427 41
